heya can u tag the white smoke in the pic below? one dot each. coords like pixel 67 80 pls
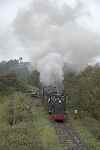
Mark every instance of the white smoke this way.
pixel 52 36
pixel 51 69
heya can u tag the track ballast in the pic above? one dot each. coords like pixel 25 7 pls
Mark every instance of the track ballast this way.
pixel 68 138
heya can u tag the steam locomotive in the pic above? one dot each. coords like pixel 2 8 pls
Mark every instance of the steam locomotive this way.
pixel 56 102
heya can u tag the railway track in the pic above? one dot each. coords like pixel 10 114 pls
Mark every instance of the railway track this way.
pixel 68 138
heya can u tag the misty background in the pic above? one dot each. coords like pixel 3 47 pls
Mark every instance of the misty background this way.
pixel 51 34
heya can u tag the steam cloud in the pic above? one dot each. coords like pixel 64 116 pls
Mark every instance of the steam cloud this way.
pixel 52 36
pixel 52 72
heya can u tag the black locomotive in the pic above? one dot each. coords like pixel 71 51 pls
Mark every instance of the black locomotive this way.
pixel 56 102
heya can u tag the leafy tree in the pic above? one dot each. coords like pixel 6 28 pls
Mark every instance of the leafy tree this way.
pixel 84 90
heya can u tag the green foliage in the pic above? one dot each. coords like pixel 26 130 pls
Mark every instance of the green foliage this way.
pixel 45 130
pixel 90 91
pixel 84 90
pixel 19 108
pixel 15 75
pixel 16 128
pixel 71 84
pixel 23 108
pixel 21 137
pixel 86 136
pixel 20 68
pixel 24 124
pixel 35 78
pixel 92 125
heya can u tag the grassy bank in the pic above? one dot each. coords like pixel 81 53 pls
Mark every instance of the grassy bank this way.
pixel 44 129
pixel 85 129
pixel 24 125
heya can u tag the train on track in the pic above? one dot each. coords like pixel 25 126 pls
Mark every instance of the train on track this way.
pixel 55 101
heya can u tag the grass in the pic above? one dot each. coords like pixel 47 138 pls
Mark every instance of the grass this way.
pixel 45 130
pixel 18 139
pixel 93 126
pixel 31 129
pixel 22 135
pixel 86 135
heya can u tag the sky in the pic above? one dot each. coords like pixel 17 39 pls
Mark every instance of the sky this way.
pixel 33 29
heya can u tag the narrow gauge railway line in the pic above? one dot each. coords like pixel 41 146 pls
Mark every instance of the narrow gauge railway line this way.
pixel 68 138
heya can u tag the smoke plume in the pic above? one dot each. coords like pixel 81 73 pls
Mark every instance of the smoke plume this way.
pixel 52 36
pixel 52 72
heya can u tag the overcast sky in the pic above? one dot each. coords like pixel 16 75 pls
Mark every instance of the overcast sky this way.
pixel 31 28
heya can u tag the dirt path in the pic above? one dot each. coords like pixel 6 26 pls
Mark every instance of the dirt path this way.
pixel 68 138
